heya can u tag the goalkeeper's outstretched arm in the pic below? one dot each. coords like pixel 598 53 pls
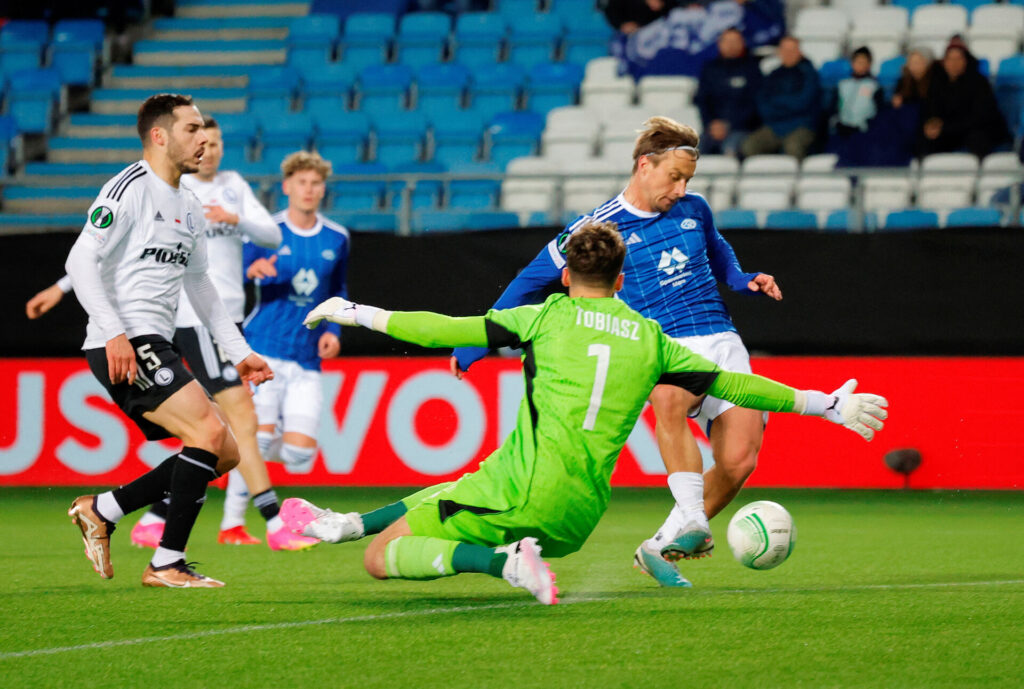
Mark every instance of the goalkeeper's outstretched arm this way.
pixel 423 328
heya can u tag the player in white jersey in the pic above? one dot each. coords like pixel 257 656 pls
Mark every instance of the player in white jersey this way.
pixel 233 215
pixel 144 240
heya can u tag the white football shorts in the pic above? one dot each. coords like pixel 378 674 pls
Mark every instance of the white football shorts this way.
pixel 292 400
pixel 728 351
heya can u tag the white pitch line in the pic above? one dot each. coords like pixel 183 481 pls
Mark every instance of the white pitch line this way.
pixel 244 629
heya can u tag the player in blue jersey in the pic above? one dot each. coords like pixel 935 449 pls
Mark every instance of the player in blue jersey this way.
pixel 308 267
pixel 676 258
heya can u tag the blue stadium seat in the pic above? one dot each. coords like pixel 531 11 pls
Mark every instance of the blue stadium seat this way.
pixel 401 137
pixel 495 88
pixel 273 88
pixel 457 137
pixel 25 30
pixel 366 38
pixel 971 5
pixel 491 220
pixel 366 221
pixel 735 218
pixel 513 11
pixel 357 196
pixel 311 39
pixel 422 37
pixel 239 129
pixel 384 89
pixel 514 134
pixel 427 193
pixel 911 219
pixel 75 62
pixel 833 71
pixel 439 221
pixel 586 36
pixel 889 73
pixel 285 133
pixel 570 10
pixel 974 217
pixel 342 136
pixel 534 42
pixel 18 56
pixel 791 220
pixel 32 95
pixel 478 38
pixel 474 194
pixel 8 136
pixel 73 169
pixel 329 86
pixel 80 30
pixel 1009 87
pixel 441 88
pixel 552 85
pixel 910 5
pixel 842 221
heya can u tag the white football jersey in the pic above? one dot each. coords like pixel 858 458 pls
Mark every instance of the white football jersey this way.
pixel 149 235
pixel 229 191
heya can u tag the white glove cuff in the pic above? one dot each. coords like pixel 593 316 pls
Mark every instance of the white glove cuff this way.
pixel 811 402
pixel 364 315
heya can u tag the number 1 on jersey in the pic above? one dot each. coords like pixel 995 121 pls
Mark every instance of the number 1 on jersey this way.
pixel 603 353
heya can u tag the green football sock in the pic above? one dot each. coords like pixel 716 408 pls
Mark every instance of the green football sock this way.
pixel 419 557
pixel 423 557
pixel 478 558
pixel 383 517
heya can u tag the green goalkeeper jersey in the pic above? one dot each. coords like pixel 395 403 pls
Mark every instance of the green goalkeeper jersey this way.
pixel 589 365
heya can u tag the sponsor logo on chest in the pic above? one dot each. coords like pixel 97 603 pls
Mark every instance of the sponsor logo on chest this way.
pixel 158 254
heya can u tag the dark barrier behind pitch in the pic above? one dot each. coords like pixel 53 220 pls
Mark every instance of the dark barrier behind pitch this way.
pixel 955 291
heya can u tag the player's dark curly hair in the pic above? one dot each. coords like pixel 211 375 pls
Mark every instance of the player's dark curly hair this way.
pixel 595 253
pixel 155 108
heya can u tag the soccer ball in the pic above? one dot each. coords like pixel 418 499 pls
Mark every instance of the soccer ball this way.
pixel 762 535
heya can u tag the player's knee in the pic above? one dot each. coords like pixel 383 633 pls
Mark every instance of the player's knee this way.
pixel 296 457
pixel 373 559
pixel 671 405
pixel 739 461
pixel 210 434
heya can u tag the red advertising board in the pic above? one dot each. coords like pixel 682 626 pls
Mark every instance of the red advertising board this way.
pixel 407 421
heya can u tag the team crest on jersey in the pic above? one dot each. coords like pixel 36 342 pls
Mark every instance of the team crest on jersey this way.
pixel 190 222
pixel 688 224
pixel 230 196
pixel 304 282
pixel 328 254
pixel 101 217
pixel 674 262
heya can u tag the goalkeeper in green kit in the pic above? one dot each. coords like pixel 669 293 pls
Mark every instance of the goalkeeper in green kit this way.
pixel 589 363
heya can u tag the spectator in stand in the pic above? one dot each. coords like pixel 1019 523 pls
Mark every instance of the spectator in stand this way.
pixel 915 76
pixel 787 102
pixel 960 110
pixel 727 95
pixel 627 16
pixel 859 104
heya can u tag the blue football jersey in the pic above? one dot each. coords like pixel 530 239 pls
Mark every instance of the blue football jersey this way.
pixel 311 267
pixel 674 261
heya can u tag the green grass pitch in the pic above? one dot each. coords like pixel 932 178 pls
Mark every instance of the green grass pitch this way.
pixel 884 589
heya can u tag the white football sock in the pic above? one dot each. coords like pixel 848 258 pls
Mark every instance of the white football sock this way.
pixel 688 489
pixel 668 530
pixel 236 500
pixel 275 523
pixel 163 557
pixel 108 508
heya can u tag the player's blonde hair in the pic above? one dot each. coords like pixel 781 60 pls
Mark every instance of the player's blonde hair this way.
pixel 659 136
pixel 595 253
pixel 305 160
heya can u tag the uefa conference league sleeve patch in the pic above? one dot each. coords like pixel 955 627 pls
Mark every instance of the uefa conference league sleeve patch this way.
pixel 100 218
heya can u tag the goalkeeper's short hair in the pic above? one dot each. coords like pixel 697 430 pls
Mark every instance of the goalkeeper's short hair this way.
pixel 595 254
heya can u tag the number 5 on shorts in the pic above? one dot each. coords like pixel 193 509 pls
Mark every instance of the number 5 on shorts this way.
pixel 603 353
pixel 147 354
